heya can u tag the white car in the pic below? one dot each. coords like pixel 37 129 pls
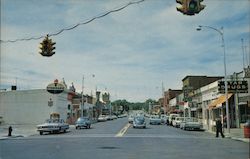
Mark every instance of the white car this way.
pixel 122 115
pixel 172 117
pixel 155 119
pixel 53 126
pixel 102 118
pixel 177 121
pixel 113 117
pixel 191 124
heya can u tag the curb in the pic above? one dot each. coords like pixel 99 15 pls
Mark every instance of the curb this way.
pixel 10 137
pixel 233 138
pixel 241 139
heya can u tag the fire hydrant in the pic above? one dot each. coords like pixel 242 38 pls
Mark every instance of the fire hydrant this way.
pixel 247 129
pixel 9 131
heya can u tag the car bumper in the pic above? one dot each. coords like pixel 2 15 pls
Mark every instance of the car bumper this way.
pixel 48 129
pixel 139 126
pixel 82 125
pixel 155 122
pixel 193 126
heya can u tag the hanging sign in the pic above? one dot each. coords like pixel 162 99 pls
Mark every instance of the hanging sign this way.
pixel 233 86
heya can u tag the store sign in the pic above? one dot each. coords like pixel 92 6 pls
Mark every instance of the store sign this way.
pixel 55 88
pixel 233 86
pixel 187 91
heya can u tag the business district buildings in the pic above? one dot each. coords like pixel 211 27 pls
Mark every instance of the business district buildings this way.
pixel 201 97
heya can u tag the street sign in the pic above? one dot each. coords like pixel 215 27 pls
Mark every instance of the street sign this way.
pixel 233 86
pixel 50 103
pixel 55 88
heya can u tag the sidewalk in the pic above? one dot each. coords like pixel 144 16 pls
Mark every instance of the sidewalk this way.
pixel 235 134
pixel 17 131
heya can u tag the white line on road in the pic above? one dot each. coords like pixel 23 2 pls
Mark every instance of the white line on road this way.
pixel 122 131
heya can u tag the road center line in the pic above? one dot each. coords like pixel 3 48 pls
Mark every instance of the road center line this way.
pixel 123 130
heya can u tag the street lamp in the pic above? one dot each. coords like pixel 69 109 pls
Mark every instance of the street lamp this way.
pixel 225 68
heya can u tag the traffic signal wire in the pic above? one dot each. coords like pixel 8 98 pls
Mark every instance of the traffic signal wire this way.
pixel 76 25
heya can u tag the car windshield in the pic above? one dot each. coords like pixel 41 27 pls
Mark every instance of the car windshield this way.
pixel 139 119
pixel 94 68
pixel 82 119
pixel 191 119
pixel 53 121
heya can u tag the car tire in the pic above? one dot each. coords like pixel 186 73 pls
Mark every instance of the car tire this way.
pixel 41 133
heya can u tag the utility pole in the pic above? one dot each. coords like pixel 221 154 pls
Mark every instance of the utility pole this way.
pixel 243 53
pixel 82 106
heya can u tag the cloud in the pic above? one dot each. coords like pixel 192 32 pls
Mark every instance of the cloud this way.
pixel 131 52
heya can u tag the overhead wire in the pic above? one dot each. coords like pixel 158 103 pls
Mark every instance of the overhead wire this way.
pixel 76 25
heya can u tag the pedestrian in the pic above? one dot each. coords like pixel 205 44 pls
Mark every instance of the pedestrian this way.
pixel 219 128
pixel 10 131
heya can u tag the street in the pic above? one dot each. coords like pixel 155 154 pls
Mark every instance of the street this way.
pixel 101 141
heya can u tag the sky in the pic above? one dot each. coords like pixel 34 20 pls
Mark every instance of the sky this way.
pixel 132 53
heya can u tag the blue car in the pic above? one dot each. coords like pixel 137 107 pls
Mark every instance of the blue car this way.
pixel 83 122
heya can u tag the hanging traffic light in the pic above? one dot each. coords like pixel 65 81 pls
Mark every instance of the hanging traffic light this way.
pixel 47 47
pixel 200 6
pixel 190 7
pixel 51 47
pixel 183 7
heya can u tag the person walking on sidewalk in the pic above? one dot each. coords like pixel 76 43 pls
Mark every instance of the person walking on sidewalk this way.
pixel 219 128
pixel 9 131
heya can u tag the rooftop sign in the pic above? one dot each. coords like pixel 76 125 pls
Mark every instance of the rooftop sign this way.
pixel 55 88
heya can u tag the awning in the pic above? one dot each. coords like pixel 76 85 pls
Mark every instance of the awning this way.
pixel 218 102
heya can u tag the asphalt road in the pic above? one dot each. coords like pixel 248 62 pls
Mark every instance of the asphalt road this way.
pixel 101 142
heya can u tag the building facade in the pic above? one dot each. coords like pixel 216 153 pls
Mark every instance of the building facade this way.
pixel 32 106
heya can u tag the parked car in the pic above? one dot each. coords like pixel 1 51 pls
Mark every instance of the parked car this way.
pixel 177 121
pixel 172 117
pixel 83 122
pixel 155 119
pixel 109 117
pixel 164 119
pixel 122 115
pixel 53 126
pixel 102 118
pixel 113 117
pixel 139 122
pixel 191 124
pixel 131 118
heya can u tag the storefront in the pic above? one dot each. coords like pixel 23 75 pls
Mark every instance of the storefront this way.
pixel 244 109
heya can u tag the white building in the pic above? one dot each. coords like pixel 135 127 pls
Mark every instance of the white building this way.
pixel 32 106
